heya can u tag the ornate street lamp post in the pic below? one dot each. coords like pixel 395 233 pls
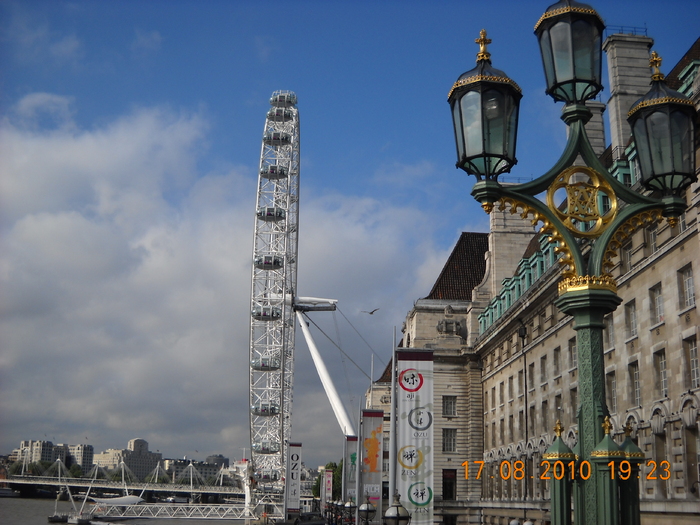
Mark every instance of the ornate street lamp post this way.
pixel 367 512
pixel 350 511
pixel 396 514
pixel 588 225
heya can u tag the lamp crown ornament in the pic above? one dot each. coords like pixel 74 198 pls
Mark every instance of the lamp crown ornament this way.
pixel 655 62
pixel 558 429
pixel 607 425
pixel 483 54
pixel 628 430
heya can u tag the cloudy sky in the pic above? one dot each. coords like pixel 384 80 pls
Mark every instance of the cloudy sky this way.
pixel 129 146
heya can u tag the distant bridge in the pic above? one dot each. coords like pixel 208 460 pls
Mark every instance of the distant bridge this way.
pixel 134 487
pixel 263 507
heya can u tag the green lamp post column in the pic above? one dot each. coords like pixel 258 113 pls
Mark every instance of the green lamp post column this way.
pixel 605 460
pixel 629 480
pixel 561 460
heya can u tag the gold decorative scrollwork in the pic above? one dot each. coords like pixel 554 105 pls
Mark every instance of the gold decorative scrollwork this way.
pixel 590 204
pixel 587 282
pixel 567 260
pixel 645 218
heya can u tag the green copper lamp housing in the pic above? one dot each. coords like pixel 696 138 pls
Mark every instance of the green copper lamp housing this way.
pixel 485 105
pixel 569 34
pixel 663 128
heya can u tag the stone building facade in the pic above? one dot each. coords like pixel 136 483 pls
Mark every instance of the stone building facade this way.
pixel 506 362
pixel 136 457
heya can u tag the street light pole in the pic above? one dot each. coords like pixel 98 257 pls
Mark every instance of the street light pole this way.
pixel 589 225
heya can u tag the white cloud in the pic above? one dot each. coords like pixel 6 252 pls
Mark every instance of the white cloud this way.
pixel 264 46
pixel 44 110
pixel 146 41
pixel 67 49
pixel 32 39
pixel 126 278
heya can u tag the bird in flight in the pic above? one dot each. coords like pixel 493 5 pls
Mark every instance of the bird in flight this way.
pixel 370 313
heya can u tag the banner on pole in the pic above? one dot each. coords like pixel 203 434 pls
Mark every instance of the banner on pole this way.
pixel 327 488
pixel 414 434
pixel 293 481
pixel 350 468
pixel 372 457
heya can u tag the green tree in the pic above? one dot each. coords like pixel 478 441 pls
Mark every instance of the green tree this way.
pixel 337 469
pixel 76 470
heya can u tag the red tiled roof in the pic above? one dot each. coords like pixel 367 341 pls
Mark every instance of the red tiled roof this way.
pixel 463 270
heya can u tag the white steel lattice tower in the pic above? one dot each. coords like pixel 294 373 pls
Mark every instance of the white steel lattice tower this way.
pixel 273 287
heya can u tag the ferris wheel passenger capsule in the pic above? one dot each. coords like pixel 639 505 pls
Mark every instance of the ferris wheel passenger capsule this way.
pixel 270 214
pixel 267 313
pixel 283 99
pixel 268 262
pixel 265 364
pixel 265 409
pixel 273 172
pixel 280 115
pixel 277 138
pixel 266 447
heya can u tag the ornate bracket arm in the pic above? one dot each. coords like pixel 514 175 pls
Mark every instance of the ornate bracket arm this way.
pixel 629 220
pixel 572 259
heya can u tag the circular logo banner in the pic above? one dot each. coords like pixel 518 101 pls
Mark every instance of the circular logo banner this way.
pixel 410 380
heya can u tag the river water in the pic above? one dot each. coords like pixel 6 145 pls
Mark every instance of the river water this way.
pixel 25 511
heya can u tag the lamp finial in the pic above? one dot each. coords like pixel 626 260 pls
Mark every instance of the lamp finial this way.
pixel 655 62
pixel 483 54
pixel 558 429
pixel 607 425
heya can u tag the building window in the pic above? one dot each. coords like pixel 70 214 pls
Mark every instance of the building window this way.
pixel 609 332
pixel 521 424
pixel 635 389
pixel 557 406
pixel 543 369
pixel 449 406
pixel 660 372
pixel 626 258
pixel 631 319
pixel 449 440
pixel 486 402
pixel 510 428
pixel 493 434
pixel 545 415
pixel 657 304
pixel 449 484
pixel 686 287
pixel 627 179
pixel 682 224
pixel 653 247
pixel 556 361
pixel 510 388
pixel 611 386
pixel 521 384
pixel 493 398
pixel 691 354
pixel 573 353
pixel 531 376
pixel 532 420
pixel 574 400
pixel 501 393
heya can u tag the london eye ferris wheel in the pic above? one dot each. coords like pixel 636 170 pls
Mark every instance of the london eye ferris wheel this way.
pixel 274 304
